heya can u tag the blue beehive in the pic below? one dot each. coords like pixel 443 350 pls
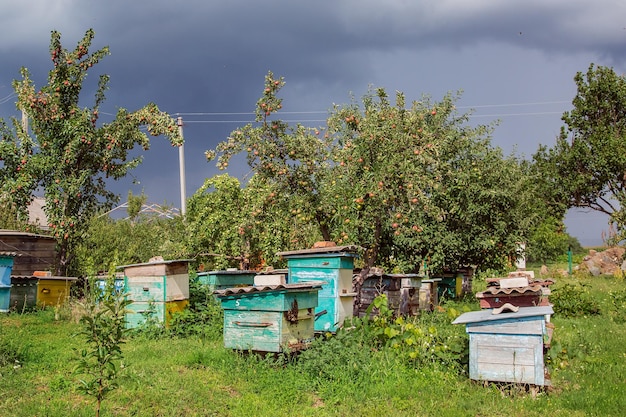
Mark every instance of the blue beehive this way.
pixel 6 265
pixel 332 268
pixel 508 346
pixel 270 318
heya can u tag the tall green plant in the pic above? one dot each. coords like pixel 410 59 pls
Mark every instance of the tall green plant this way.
pixel 103 329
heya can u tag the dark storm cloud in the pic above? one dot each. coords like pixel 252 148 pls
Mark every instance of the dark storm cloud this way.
pixel 211 56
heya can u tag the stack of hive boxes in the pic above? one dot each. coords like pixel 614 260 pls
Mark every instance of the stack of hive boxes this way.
pixel 519 289
pixel 157 290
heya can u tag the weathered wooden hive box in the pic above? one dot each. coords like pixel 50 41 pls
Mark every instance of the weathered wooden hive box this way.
pixel 219 280
pixel 269 319
pixel 39 290
pixel 157 290
pixel 429 294
pixel 402 291
pixel 330 267
pixel 451 285
pixel 507 347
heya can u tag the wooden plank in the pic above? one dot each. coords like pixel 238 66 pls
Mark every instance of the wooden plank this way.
pixel 252 330
pixel 145 288
pixel 157 269
pixel 521 326
pixel 514 282
pixel 507 358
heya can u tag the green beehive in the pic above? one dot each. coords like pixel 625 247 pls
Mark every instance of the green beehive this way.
pixel 157 290
pixel 332 268
pixel 219 280
pixel 269 319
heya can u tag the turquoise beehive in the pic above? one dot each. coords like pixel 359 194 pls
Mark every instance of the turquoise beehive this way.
pixel 272 318
pixel 332 268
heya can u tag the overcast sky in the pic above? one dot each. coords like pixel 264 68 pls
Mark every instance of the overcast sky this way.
pixel 514 61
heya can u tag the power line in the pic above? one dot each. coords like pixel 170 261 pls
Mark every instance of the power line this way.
pixel 483 106
pixel 7 98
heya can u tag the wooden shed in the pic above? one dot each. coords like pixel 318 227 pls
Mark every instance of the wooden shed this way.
pixel 507 344
pixel 157 290
pixel 332 268
pixel 35 252
pixel 269 319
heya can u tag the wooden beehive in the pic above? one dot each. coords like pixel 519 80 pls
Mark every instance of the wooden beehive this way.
pixel 269 319
pixel 219 280
pixel 331 267
pixel 508 347
pixel 6 265
pixel 39 291
pixel 400 289
pixel 157 290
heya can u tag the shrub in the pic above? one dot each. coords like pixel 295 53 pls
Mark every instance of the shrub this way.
pixel 574 300
pixel 618 306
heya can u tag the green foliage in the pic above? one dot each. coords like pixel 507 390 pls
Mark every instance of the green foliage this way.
pixel 66 153
pixel 428 340
pixel 586 166
pixel 232 226
pixel 617 310
pixel 103 329
pixel 548 241
pixel 204 316
pixel 574 300
pixel 406 182
pixel 129 241
pixel 13 352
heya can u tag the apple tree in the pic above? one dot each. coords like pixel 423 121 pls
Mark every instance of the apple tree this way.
pixel 421 186
pixel 68 154
pixel 409 184
pixel 293 160
pixel 231 225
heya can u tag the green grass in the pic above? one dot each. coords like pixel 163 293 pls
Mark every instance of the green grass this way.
pixel 196 376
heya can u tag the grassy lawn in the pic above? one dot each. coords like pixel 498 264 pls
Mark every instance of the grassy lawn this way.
pixel 196 376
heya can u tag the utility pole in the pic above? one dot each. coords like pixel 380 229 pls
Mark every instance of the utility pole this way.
pixel 181 164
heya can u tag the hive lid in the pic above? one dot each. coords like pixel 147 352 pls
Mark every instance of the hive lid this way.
pixel 35 277
pixel 487 314
pixel 157 262
pixel 266 288
pixel 347 249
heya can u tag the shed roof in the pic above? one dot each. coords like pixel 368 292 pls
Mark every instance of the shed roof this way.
pixel 6 232
pixel 487 314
